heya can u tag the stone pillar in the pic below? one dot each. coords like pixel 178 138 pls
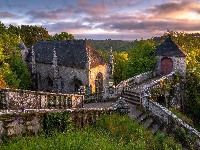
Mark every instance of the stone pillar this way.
pixel 33 69
pixel 88 66
pixel 56 77
pixel 111 65
pixel 33 63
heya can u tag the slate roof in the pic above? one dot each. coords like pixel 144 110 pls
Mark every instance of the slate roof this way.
pixel 71 53
pixel 21 45
pixel 170 48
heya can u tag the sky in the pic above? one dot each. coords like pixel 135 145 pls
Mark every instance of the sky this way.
pixel 104 19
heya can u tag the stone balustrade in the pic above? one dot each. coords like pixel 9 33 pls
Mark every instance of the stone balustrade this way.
pixel 165 115
pixel 14 122
pixel 133 81
pixel 155 84
pixel 14 99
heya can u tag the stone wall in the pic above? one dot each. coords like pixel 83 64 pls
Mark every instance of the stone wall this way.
pixel 66 74
pixel 14 99
pixel 133 81
pixel 179 64
pixel 93 74
pixel 31 120
pixel 171 120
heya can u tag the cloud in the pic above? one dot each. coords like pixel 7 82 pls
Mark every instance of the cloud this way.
pixel 174 8
pixel 49 15
pixel 97 9
pixel 69 27
pixel 151 25
pixel 155 20
pixel 5 15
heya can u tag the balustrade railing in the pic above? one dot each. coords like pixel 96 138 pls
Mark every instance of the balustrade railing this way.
pixel 165 115
pixel 17 98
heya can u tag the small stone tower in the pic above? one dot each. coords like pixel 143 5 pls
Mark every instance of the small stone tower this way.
pixel 170 57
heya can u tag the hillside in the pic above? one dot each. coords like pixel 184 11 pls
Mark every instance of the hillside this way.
pixel 117 45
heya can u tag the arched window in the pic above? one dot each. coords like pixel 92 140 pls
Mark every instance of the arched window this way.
pixel 49 84
pixel 99 83
pixel 76 83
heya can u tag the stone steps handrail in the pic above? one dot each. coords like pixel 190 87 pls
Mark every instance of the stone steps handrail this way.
pixel 164 114
pixel 156 83
pixel 161 112
pixel 134 80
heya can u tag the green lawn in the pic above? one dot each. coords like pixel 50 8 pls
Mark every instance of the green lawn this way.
pixel 111 132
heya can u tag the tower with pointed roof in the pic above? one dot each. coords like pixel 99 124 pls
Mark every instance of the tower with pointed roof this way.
pixel 170 57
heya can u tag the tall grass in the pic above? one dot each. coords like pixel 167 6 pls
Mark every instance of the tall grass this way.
pixel 111 132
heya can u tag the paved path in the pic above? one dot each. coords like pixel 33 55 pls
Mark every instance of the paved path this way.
pixel 139 88
pixel 99 105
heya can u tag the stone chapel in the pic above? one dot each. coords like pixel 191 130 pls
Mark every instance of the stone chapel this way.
pixel 170 57
pixel 63 66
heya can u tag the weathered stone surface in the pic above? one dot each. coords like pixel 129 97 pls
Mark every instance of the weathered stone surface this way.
pixel 31 119
pixel 33 125
pixel 15 99
pixel 121 106
pixel 15 127
pixel 179 64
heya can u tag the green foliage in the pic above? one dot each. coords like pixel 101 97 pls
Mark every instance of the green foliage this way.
pixel 120 64
pixel 110 132
pixel 63 36
pixel 56 122
pixel 182 116
pixel 30 34
pixel 12 68
pixel 117 45
pixel 141 58
pixel 166 90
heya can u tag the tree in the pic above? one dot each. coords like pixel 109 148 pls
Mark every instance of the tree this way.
pixel 2 83
pixel 141 58
pixel 30 34
pixel 12 68
pixel 63 36
pixel 120 63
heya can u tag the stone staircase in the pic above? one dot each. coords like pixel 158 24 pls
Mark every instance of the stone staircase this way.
pixel 131 97
pixel 146 120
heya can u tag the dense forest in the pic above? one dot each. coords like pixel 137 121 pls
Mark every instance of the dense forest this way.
pixel 130 58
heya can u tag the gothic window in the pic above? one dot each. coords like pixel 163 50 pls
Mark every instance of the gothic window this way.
pixel 76 83
pixel 99 83
pixel 49 84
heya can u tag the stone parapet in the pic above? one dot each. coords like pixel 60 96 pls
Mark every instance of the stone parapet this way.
pixel 14 99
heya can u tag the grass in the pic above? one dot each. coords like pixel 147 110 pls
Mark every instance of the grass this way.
pixel 182 116
pixel 111 132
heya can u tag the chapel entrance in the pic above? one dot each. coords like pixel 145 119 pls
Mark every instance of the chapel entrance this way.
pixel 49 84
pixel 166 66
pixel 99 85
pixel 76 83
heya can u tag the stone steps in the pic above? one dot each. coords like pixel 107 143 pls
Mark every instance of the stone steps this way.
pixel 143 119
pixel 131 97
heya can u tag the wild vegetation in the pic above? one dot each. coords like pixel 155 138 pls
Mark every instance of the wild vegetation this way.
pixel 13 70
pixel 109 132
pixel 117 45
